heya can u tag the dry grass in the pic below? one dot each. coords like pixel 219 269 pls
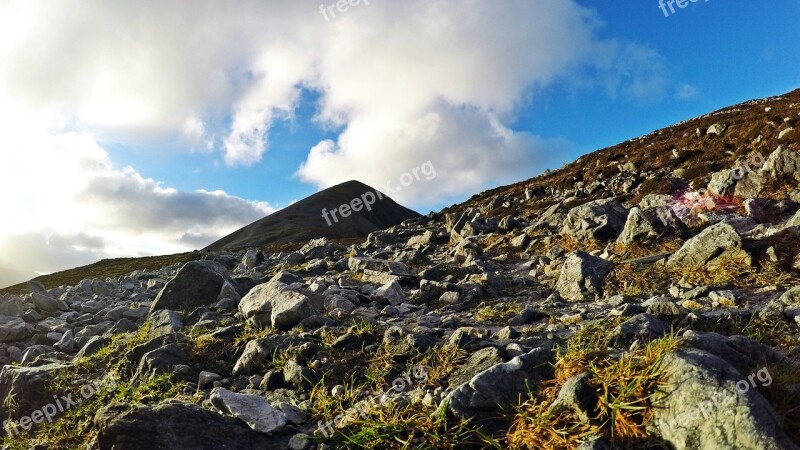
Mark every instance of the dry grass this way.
pixel 643 279
pixel 498 313
pixel 625 387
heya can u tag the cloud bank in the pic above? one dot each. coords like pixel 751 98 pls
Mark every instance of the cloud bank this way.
pixel 400 83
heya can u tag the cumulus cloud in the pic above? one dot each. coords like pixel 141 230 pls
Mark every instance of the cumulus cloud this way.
pixel 400 83
pixel 71 207
pixel 403 81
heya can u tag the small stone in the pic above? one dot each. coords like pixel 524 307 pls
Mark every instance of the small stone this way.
pixel 338 390
pixel 300 442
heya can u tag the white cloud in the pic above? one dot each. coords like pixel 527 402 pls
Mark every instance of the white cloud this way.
pixel 402 81
pixel 70 206
pixel 686 92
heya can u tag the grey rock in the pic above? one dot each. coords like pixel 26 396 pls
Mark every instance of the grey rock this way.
pixel 10 306
pixel 165 322
pixel 450 298
pixel 253 410
pixel 317 248
pixel 399 341
pixel 526 316
pixel 576 398
pixel 651 222
pixel 47 304
pixel 293 414
pixel 14 329
pixel 420 241
pixel 300 442
pixel 582 277
pixel 641 326
pixel 791 297
pixel 596 443
pixel 159 361
pixel 252 258
pixel 31 353
pixel 207 379
pixel 479 361
pixel 276 304
pixel 91 347
pixel 599 219
pixel 298 376
pixel 378 270
pixel 27 386
pixel 197 283
pixel 66 344
pixel 743 353
pixel 390 293
pixel 783 162
pixel 136 313
pixel 258 351
pixel 723 183
pixel 717 129
pixel 712 244
pixel 666 308
pixel 122 326
pixel 500 386
pixel 705 406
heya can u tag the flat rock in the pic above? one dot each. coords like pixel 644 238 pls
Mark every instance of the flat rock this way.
pixel 253 410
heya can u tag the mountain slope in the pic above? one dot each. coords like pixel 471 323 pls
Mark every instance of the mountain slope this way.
pixel 304 220
pixel 671 157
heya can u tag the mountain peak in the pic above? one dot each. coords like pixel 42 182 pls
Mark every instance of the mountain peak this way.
pixel 347 210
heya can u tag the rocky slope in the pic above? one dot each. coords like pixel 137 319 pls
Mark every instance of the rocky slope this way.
pixel 319 216
pixel 646 296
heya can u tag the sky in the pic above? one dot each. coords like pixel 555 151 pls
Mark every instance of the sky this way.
pixel 133 128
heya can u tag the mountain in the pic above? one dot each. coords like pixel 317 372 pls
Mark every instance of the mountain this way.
pixel 646 296
pixel 321 215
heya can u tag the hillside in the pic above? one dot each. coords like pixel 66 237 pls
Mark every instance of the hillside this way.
pixel 304 220
pixel 646 296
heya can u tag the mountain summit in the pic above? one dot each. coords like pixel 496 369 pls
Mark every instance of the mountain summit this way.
pixel 348 210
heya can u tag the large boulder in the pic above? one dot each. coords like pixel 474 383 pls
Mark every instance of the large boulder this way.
pixel 720 241
pixel 176 426
pixel 582 277
pixel 165 322
pixel 651 222
pixel 501 386
pixel 28 387
pixel 708 404
pixel 723 183
pixel 14 329
pixel 277 304
pixel 197 283
pixel 783 163
pixel 599 219
pixel 48 304
pixel 159 361
pixel 10 306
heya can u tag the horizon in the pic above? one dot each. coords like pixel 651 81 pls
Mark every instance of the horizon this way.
pixel 155 129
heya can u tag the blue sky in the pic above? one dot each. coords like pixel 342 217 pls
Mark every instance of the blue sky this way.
pixel 154 127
